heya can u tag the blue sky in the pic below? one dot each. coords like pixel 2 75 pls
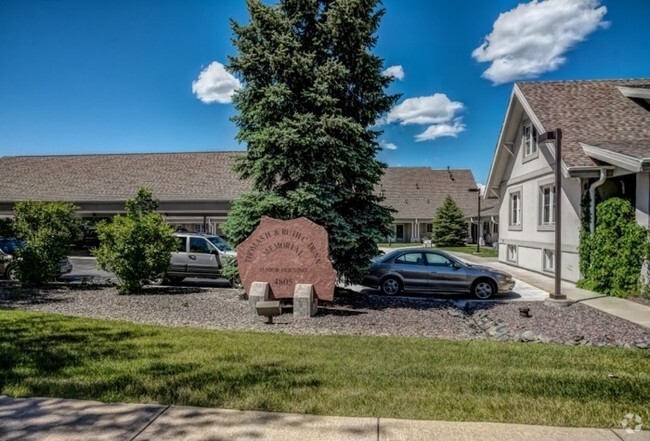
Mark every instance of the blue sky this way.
pixel 117 76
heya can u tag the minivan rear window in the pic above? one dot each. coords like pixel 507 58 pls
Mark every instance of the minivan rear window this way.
pixel 218 242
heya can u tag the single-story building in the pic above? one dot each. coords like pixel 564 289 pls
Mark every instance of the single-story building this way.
pixel 605 153
pixel 417 192
pixel 195 190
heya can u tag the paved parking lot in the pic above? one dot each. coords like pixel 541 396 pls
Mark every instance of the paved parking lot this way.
pixel 85 270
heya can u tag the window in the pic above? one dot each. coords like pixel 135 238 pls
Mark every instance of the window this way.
pixel 429 228
pixel 511 253
pixel 515 209
pixel 409 259
pixel 530 139
pixel 547 205
pixel 182 244
pixel 549 261
pixel 437 260
pixel 495 228
pixel 199 245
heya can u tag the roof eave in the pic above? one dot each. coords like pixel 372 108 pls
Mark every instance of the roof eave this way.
pixel 631 163
pixel 494 177
pixel 493 182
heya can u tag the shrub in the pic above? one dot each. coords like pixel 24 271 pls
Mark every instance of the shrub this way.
pixel 48 228
pixel 136 247
pixel 611 258
pixel 449 226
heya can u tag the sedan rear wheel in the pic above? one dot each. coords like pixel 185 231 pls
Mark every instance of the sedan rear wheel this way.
pixel 391 286
pixel 483 289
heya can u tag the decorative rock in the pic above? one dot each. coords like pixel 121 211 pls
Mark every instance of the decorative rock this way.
pixel 527 336
pixel 641 345
pixel 305 303
pixel 287 253
pixel 259 292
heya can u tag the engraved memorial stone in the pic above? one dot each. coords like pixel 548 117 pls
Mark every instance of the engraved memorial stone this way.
pixel 287 253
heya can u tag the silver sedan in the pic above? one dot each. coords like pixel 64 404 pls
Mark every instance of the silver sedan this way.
pixel 427 270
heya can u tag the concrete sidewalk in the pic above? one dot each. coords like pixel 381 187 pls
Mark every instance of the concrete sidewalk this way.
pixel 631 311
pixel 53 419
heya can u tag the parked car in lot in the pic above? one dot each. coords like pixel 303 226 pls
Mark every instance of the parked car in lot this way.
pixel 198 255
pixel 8 248
pixel 427 270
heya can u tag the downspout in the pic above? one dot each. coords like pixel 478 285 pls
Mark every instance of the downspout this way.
pixel 592 199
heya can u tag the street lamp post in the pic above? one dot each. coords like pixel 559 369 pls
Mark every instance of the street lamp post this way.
pixel 556 137
pixel 478 220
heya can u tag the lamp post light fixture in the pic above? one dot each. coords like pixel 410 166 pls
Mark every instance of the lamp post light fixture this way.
pixel 556 138
pixel 478 220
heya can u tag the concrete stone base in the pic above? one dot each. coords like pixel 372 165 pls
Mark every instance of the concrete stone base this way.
pixel 259 292
pixel 558 302
pixel 305 303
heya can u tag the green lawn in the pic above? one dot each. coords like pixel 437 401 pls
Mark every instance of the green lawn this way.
pixel 59 356
pixel 467 249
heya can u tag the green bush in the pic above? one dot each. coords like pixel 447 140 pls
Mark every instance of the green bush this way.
pixel 449 226
pixel 136 247
pixel 48 228
pixel 611 258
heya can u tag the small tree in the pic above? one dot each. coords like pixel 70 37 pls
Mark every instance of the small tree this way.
pixel 136 247
pixel 611 257
pixel 48 229
pixel 449 226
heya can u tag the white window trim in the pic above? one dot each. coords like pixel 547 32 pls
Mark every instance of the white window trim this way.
pixel 546 268
pixel 550 225
pixel 529 143
pixel 516 226
pixel 516 253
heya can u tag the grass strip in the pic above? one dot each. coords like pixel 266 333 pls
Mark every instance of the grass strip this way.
pixel 60 356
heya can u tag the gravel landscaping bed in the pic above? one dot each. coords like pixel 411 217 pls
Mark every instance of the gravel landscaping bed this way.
pixel 351 313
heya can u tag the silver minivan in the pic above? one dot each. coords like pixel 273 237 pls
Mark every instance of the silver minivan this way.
pixel 198 255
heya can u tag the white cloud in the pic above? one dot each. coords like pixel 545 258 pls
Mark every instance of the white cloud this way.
pixel 387 145
pixel 396 72
pixel 441 130
pixel 532 38
pixel 434 109
pixel 215 84
pixel 481 187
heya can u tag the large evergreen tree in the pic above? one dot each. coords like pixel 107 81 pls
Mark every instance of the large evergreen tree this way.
pixel 312 90
pixel 449 226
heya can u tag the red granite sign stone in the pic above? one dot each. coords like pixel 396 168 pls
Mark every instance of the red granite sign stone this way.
pixel 285 253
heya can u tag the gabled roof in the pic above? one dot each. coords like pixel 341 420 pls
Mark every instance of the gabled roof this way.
pixel 84 178
pixel 601 110
pixel 417 192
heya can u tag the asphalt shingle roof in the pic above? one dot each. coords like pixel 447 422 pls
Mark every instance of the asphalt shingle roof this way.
pixel 171 176
pixel 591 110
pixel 417 192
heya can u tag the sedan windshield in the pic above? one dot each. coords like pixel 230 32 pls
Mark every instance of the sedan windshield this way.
pixel 9 246
pixel 218 242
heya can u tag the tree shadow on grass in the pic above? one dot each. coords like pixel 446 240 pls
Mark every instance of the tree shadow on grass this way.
pixel 58 356
pixel 37 352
